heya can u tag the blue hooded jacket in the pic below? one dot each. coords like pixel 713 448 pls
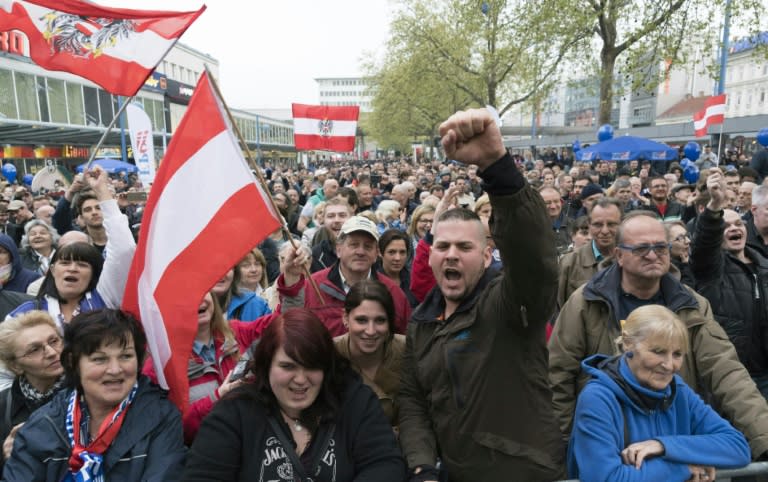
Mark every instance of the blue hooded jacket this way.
pixel 247 306
pixel 690 430
pixel 21 277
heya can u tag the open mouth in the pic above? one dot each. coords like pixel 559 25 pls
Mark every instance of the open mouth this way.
pixel 452 274
pixel 113 383
pixel 736 236
pixel 71 279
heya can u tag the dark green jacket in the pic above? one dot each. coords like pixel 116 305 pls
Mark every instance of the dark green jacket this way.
pixel 474 388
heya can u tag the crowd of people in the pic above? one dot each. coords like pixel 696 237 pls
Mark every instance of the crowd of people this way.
pixel 493 317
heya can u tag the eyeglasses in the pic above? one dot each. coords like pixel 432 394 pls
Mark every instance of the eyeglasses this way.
pixel 680 238
pixel 661 249
pixel 38 350
pixel 425 221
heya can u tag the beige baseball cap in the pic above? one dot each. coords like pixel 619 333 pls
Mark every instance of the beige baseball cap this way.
pixel 360 223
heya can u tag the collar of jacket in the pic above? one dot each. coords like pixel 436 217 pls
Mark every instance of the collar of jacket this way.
pixel 605 287
pixel 433 305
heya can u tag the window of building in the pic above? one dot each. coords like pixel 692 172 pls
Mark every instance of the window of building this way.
pixel 105 107
pixel 27 94
pixel 7 98
pixel 57 101
pixel 75 104
pixel 91 98
pixel 42 98
pixel 762 97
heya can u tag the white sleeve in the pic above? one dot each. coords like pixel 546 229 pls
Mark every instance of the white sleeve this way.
pixel 120 249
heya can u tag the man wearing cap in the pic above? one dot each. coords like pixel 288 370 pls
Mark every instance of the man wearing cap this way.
pixel 19 216
pixel 590 194
pixel 357 249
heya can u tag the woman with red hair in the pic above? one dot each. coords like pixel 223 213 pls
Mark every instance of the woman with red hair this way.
pixel 305 413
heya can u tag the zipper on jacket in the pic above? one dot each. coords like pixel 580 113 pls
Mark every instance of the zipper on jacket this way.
pixel 524 315
pixel 757 287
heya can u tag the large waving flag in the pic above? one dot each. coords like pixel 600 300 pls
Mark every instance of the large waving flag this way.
pixel 324 128
pixel 713 113
pixel 205 211
pixel 113 47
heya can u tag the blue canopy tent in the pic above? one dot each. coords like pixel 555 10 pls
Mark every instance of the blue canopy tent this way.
pixel 112 166
pixel 627 148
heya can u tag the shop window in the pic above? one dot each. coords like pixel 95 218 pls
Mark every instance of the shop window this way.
pixel 27 95
pixel 57 101
pixel 7 99
pixel 105 107
pixel 75 104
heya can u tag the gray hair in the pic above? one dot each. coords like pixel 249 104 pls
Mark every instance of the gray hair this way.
pixel 760 195
pixel 39 222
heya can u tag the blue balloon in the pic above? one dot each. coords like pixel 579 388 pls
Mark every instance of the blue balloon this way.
pixel 576 146
pixel 691 173
pixel 762 137
pixel 605 133
pixel 9 171
pixel 692 150
pixel 685 162
pixel 27 179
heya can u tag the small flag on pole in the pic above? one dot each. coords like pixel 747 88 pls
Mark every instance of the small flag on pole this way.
pixel 205 211
pixel 713 113
pixel 324 128
pixel 115 48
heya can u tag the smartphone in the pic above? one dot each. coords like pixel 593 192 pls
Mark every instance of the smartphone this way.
pixel 239 371
pixel 136 196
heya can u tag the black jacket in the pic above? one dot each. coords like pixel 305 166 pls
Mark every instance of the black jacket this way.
pixel 237 442
pixel 736 291
pixel 754 239
pixel 149 446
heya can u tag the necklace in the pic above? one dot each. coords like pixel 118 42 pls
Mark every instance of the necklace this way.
pixel 297 426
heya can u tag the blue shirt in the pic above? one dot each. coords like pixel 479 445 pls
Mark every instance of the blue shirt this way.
pixel 596 252
pixel 205 351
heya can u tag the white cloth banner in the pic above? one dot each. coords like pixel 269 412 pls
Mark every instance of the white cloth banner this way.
pixel 142 143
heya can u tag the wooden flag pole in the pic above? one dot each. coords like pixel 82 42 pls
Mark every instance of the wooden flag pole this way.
pixel 255 168
pixel 106 132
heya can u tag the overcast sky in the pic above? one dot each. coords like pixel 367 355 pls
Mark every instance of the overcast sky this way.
pixel 270 52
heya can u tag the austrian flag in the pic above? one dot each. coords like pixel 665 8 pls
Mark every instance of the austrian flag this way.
pixel 712 114
pixel 115 48
pixel 324 128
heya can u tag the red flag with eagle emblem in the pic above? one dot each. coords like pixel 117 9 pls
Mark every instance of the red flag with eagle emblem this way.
pixel 113 47
pixel 324 127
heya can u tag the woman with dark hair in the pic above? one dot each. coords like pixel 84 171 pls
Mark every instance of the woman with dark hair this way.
pixel 395 252
pixel 30 347
pixel 218 346
pixel 304 414
pixel 238 304
pixel 110 423
pixel 371 345
pixel 79 278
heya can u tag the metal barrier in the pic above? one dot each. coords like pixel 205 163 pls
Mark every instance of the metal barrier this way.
pixel 755 468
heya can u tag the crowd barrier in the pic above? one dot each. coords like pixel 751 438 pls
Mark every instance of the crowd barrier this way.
pixel 753 469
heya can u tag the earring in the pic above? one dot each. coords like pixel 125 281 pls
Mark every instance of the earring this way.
pixel 629 354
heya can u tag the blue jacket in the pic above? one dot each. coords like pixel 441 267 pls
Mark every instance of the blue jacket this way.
pixel 149 446
pixel 21 277
pixel 691 431
pixel 248 306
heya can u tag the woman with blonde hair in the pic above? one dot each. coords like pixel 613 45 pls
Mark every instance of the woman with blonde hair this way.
pixel 637 420
pixel 318 216
pixel 421 223
pixel 251 272
pixel 30 346
pixel 388 215
pixel 483 206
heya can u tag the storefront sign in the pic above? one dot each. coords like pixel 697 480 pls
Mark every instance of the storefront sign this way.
pixel 14 42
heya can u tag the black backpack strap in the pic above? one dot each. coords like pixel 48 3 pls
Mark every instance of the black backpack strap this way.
pixel 626 425
pixel 8 403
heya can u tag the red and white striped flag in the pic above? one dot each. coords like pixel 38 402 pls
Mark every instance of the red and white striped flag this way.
pixel 204 212
pixel 713 113
pixel 324 127
pixel 114 47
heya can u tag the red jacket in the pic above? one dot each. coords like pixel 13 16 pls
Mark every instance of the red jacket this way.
pixel 422 277
pixel 245 334
pixel 329 282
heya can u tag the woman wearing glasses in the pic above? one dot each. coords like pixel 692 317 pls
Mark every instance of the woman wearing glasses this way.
pixel 30 346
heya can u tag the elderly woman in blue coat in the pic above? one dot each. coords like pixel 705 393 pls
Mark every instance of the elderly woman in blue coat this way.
pixel 636 420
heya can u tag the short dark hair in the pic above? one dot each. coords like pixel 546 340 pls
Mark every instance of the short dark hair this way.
pixel 81 198
pixel 89 331
pixel 73 252
pixel 372 290
pixel 459 214
pixel 306 340
pixel 605 202
pixel 350 194
pixel 656 178
pixel 392 235
pixel 582 222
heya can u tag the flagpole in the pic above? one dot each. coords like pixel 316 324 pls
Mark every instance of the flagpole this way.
pixel 263 182
pixel 720 142
pixel 106 132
